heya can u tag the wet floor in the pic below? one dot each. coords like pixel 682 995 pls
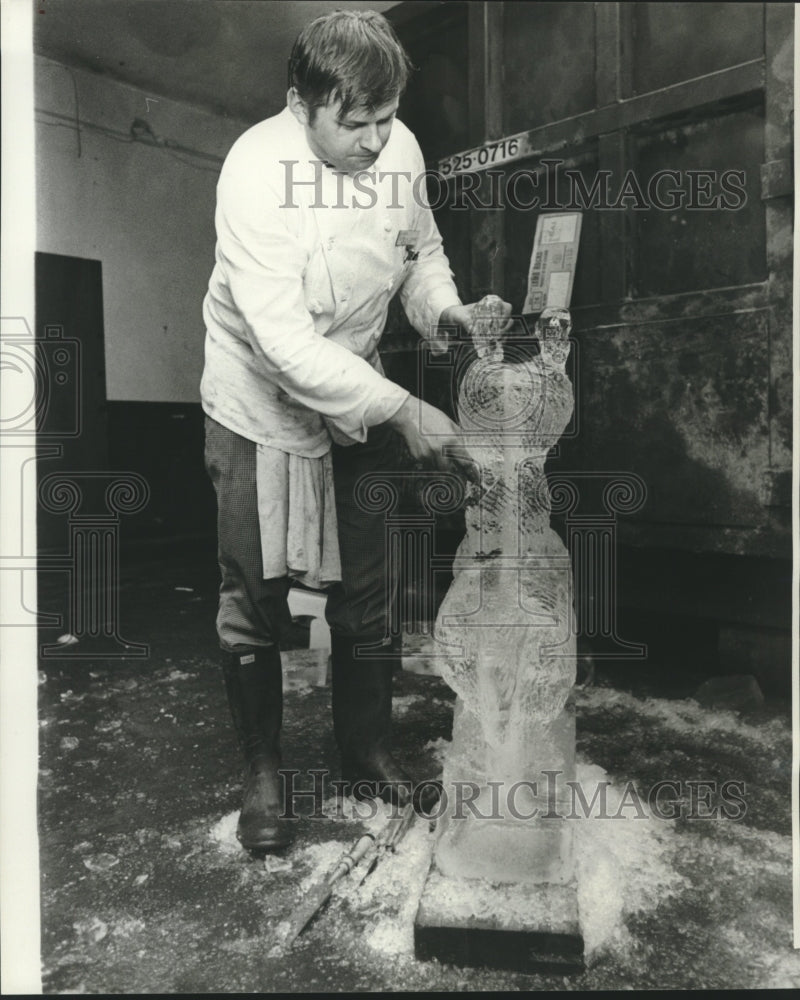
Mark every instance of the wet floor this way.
pixel 145 889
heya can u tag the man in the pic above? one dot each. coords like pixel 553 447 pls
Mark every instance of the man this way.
pixel 308 257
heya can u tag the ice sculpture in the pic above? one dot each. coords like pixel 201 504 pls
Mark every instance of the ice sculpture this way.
pixel 507 622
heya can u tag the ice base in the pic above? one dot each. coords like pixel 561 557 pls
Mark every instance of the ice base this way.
pixel 510 832
pixel 523 928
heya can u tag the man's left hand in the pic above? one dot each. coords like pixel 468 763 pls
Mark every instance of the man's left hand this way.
pixel 465 317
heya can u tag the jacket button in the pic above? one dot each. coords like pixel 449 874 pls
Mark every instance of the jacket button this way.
pixel 316 306
pixel 387 225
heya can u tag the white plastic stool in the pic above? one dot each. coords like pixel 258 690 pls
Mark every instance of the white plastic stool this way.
pixel 311 603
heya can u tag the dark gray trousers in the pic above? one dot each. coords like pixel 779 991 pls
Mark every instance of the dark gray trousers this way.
pixel 254 611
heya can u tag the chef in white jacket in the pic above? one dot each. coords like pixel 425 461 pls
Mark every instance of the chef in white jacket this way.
pixel 321 219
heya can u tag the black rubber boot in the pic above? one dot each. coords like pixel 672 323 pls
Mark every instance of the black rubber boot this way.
pixel 254 684
pixel 362 720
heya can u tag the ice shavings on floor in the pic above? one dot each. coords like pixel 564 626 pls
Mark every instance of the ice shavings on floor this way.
pixel 396 884
pixel 623 865
pixel 223 833
pixel 683 716
pixel 634 873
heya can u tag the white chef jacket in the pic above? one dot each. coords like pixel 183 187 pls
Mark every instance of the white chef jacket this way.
pixel 299 294
pixel 295 309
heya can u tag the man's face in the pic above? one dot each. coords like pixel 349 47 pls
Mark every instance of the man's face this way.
pixel 350 142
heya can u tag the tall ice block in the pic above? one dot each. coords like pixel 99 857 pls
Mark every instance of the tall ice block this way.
pixel 501 890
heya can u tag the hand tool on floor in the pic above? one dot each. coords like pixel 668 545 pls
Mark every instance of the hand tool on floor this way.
pixel 322 894
pixel 390 837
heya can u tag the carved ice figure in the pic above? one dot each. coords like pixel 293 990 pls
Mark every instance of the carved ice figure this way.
pixel 507 620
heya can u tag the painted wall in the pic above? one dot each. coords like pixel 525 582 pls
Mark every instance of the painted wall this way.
pixel 145 211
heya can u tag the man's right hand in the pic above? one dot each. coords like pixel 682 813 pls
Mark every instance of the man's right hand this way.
pixel 428 432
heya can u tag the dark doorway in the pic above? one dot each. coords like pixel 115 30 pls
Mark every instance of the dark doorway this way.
pixel 72 431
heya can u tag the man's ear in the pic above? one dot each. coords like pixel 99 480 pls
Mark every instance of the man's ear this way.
pixel 297 106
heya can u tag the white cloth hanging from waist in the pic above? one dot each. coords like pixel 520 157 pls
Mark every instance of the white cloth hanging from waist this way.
pixel 297 517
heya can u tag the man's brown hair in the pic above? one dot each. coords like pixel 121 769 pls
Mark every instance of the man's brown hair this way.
pixel 352 56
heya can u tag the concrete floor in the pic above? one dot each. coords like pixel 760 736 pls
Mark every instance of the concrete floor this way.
pixel 144 888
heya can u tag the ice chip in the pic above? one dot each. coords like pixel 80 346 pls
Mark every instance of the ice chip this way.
pixel 100 862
